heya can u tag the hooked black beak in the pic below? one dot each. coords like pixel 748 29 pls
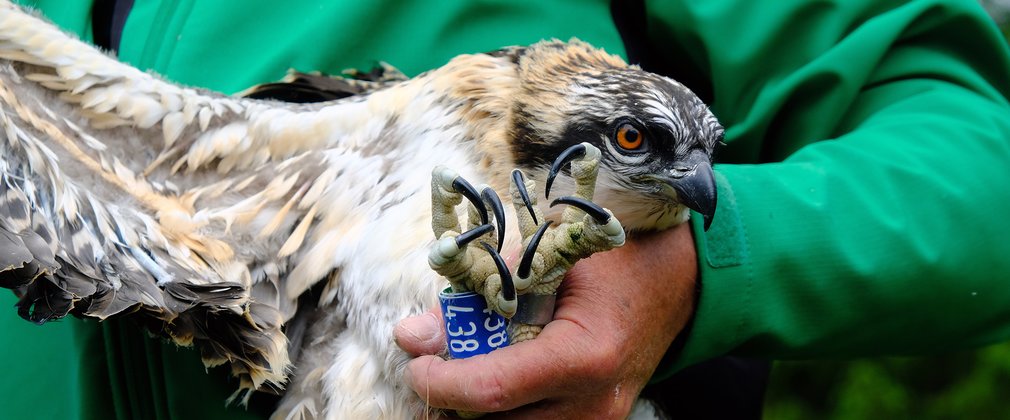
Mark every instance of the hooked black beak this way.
pixel 693 180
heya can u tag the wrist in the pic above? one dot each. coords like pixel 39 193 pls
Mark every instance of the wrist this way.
pixel 639 297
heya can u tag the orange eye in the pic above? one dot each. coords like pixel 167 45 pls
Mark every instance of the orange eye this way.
pixel 628 137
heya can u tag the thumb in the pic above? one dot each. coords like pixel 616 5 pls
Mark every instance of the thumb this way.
pixel 421 334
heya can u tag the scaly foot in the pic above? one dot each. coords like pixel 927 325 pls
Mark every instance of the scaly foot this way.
pixel 550 250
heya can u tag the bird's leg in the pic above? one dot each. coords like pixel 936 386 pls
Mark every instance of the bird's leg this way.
pixel 550 250
pixel 585 228
pixel 470 268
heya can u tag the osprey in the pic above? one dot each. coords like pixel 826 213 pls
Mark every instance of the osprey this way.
pixel 208 217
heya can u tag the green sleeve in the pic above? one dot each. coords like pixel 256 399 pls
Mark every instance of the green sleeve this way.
pixel 863 193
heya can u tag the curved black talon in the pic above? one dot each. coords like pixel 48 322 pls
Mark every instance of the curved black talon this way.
pixel 570 154
pixel 466 237
pixel 461 186
pixel 517 178
pixel 592 209
pixel 527 261
pixel 491 197
pixel 508 288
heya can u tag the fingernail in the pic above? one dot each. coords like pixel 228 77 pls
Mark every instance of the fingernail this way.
pixel 422 329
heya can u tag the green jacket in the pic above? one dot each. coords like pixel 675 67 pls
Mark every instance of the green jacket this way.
pixel 862 188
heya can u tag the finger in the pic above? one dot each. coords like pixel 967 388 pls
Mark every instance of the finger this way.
pixel 553 409
pixel 614 403
pixel 504 379
pixel 421 334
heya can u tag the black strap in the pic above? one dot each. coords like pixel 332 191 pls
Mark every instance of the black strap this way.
pixel 108 17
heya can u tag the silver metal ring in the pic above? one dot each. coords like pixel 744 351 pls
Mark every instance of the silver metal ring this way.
pixel 535 309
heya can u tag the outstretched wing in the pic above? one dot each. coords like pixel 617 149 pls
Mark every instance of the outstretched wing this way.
pixel 121 193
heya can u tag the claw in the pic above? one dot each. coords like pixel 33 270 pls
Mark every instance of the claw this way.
pixel 592 209
pixel 517 178
pixel 570 154
pixel 449 253
pixel 527 261
pixel 466 237
pixel 508 288
pixel 490 197
pixel 461 186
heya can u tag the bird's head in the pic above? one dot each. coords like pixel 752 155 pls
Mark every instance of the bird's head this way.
pixel 655 135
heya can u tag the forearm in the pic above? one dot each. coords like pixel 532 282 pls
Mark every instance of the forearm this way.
pixel 882 229
pixel 886 241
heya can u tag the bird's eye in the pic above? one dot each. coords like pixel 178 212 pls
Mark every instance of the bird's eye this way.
pixel 628 137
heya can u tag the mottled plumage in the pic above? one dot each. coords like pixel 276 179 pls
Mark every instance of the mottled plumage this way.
pixel 209 217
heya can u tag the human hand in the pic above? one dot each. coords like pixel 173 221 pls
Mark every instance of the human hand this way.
pixel 617 312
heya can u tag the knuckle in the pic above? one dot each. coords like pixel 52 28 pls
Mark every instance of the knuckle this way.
pixel 602 362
